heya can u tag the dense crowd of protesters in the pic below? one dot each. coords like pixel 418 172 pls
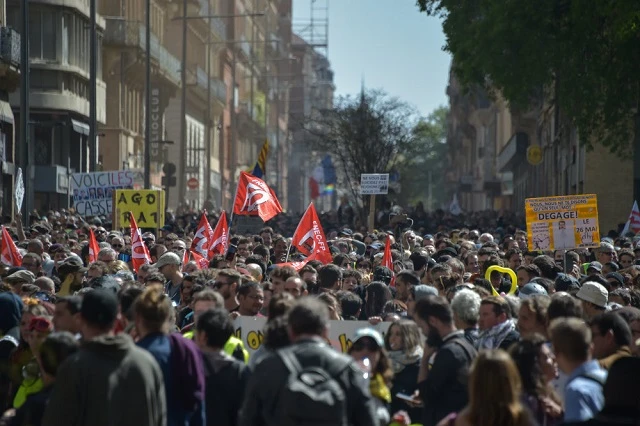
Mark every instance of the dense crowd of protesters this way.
pixel 93 343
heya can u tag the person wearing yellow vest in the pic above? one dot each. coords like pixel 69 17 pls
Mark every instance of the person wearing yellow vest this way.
pixel 208 299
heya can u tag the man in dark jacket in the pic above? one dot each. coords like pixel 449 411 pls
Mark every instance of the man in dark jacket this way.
pixel 308 329
pixel 444 371
pixel 225 377
pixel 109 381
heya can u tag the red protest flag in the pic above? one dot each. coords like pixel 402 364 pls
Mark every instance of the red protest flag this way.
pixel 185 258
pixel 220 237
pixel 139 251
pixel 203 238
pixel 255 198
pixel 387 260
pixel 309 237
pixel 201 261
pixel 10 254
pixel 94 247
pixel 298 265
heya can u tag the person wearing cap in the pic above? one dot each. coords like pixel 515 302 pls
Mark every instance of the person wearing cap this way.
pixel 169 266
pixel 72 275
pixel 119 383
pixel 18 278
pixel 368 349
pixel 594 298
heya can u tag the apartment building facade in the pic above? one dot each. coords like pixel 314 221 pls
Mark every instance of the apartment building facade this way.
pixel 9 82
pixel 59 38
pixel 312 91
pixel 500 156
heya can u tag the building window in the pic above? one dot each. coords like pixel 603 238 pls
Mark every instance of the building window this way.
pixel 44 79
pixel 42 34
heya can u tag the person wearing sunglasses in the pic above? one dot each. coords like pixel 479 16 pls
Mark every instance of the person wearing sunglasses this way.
pixel 368 350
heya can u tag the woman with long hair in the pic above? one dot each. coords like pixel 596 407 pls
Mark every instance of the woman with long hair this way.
pixel 403 343
pixel 377 294
pixel 538 368
pixel 495 392
pixel 368 350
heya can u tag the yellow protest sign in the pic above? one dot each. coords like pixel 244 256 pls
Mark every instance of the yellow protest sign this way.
pixel 147 207
pixel 562 223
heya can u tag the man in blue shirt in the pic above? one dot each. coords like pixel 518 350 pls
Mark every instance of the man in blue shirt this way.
pixel 583 397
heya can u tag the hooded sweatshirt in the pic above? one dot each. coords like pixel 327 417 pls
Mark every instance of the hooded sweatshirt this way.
pixel 109 382
pixel 10 314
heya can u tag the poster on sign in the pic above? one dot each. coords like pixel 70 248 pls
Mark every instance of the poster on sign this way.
pixel 147 207
pixel 250 331
pixel 374 184
pixel 93 192
pixel 562 223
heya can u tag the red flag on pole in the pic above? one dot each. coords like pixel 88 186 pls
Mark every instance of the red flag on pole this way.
pixel 10 254
pixel 203 238
pixel 309 237
pixel 94 247
pixel 255 198
pixel 139 251
pixel 298 265
pixel 387 260
pixel 220 236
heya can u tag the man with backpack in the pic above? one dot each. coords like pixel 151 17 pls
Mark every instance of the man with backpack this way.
pixel 308 382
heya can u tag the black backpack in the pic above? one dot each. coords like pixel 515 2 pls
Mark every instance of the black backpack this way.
pixel 312 396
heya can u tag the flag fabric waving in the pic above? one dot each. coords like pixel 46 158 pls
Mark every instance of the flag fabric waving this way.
pixel 185 258
pixel 10 254
pixel 203 238
pixel 219 237
pixel 94 247
pixel 255 198
pixel 309 237
pixel 139 251
pixel 261 165
pixel 633 223
pixel 387 260
pixel 201 261
pixel 299 264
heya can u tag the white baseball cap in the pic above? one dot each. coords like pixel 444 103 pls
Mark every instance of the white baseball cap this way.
pixel 594 293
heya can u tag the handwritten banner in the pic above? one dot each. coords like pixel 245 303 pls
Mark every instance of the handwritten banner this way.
pixel 147 207
pixel 249 330
pixel 93 192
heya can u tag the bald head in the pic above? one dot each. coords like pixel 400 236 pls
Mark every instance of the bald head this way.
pixel 35 246
pixel 295 286
pixel 45 284
pixel 255 271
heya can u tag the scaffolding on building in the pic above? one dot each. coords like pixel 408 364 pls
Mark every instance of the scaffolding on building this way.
pixel 315 30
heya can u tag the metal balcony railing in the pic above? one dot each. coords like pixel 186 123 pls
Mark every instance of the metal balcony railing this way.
pixel 218 88
pixel 218 26
pixel 10 46
pixel 120 32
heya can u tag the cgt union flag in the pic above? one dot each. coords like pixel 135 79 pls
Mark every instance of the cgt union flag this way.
pixel 309 237
pixel 139 251
pixel 387 260
pixel 255 198
pixel 10 254
pixel 94 247
pixel 203 238
pixel 220 237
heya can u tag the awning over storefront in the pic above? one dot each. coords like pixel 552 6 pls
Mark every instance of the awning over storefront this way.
pixel 513 152
pixel 80 127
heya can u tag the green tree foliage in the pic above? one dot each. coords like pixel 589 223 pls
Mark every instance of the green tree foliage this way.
pixel 428 162
pixel 583 53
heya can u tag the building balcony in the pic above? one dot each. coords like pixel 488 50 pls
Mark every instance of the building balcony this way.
pixel 132 34
pixel 218 26
pixel 218 87
pixel 9 59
